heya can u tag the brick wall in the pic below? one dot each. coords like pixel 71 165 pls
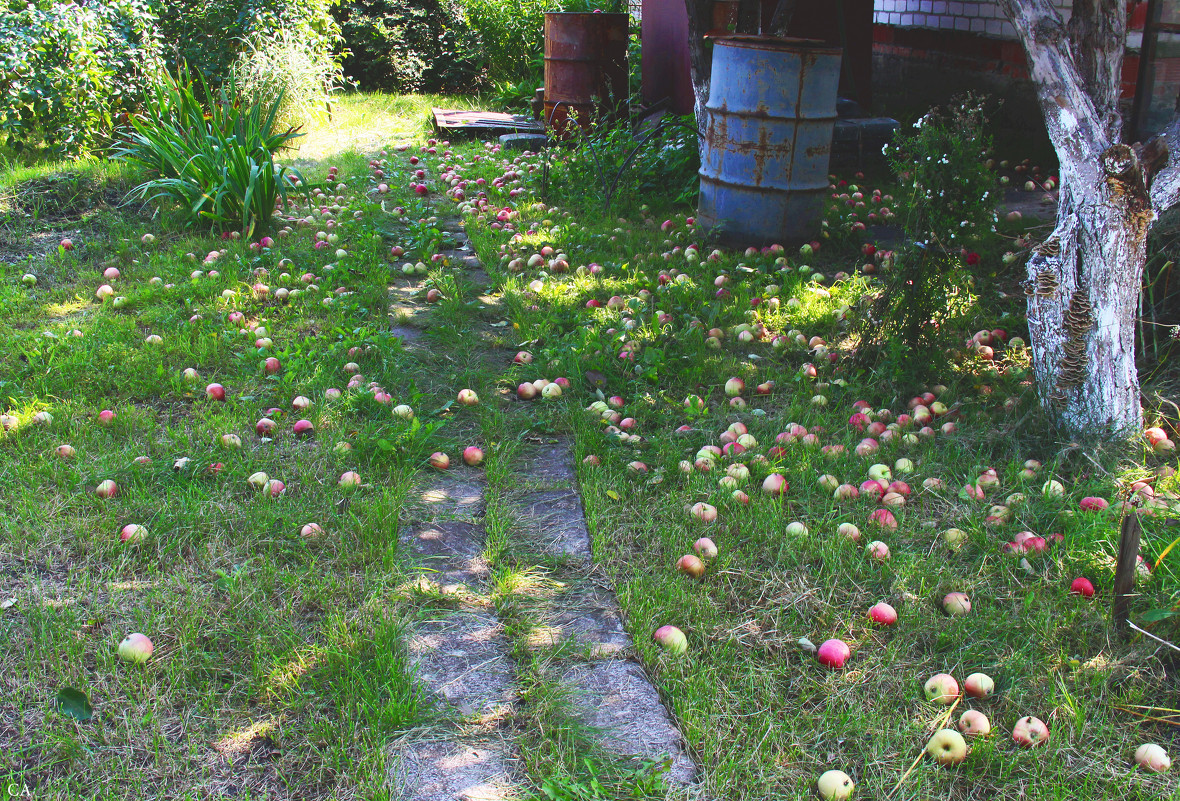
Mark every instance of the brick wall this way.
pixel 968 16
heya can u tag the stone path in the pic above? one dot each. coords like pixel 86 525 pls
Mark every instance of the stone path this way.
pixel 462 652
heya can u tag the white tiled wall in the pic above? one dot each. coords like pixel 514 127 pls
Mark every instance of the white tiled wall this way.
pixel 976 16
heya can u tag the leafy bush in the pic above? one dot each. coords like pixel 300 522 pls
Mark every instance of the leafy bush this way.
pixel 408 45
pixel 928 286
pixel 620 168
pixel 215 160
pixel 209 35
pixel 68 68
pixel 510 36
pixel 267 48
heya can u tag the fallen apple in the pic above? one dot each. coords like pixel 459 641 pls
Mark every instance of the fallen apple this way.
pixel 1082 586
pixel 833 653
pixel 947 747
pixel 1152 758
pixel 671 639
pixel 106 489
pixel 1030 732
pixel 941 688
pixel 311 531
pixel 691 566
pixel 883 613
pixel 835 785
pixel 974 723
pixel 132 532
pixel 135 648
pixel 705 548
pixel 956 603
pixel 216 392
pixel 979 685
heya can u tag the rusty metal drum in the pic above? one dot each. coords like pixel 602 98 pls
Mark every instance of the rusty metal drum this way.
pixel 585 68
pixel 766 138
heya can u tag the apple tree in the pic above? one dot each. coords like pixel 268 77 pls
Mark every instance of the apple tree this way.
pixel 1084 279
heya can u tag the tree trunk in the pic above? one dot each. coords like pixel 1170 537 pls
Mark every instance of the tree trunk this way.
pixel 1083 292
pixel 1084 280
pixel 700 21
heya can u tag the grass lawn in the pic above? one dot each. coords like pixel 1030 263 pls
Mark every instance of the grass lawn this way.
pixel 280 669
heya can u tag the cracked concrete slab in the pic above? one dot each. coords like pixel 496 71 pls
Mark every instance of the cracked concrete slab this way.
pixel 616 698
pixel 453 549
pixel 585 618
pixel 557 519
pixel 455 494
pixel 462 658
pixel 449 771
pixel 550 463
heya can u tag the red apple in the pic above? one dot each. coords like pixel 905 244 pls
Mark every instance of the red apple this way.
pixel 956 603
pixel 974 723
pixel 941 688
pixel 705 548
pixel 106 489
pixel 833 653
pixel 691 566
pixel 883 613
pixel 135 648
pixel 440 461
pixel 472 455
pixel 1030 732
pixel 979 685
pixel 132 532
pixel 1083 587
pixel 303 428
pixel 216 392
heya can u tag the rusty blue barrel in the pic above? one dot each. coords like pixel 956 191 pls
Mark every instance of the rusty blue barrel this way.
pixel 767 136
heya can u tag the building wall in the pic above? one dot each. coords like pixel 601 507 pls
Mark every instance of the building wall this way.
pixel 926 51
pixel 970 16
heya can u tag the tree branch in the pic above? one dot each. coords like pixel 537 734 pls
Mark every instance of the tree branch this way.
pixel 1075 126
pixel 1164 185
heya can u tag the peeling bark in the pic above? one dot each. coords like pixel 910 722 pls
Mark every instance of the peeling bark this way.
pixel 1084 280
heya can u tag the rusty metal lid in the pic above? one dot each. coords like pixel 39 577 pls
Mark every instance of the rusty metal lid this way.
pixel 757 41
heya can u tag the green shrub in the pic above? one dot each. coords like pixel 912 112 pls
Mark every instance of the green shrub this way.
pixel 510 36
pixel 214 159
pixel 68 68
pixel 928 287
pixel 408 45
pixel 266 47
pixel 209 35
pixel 615 168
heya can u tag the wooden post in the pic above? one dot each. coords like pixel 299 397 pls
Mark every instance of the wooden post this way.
pixel 1124 573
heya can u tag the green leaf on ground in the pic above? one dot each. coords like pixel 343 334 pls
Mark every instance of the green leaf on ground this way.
pixel 74 703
